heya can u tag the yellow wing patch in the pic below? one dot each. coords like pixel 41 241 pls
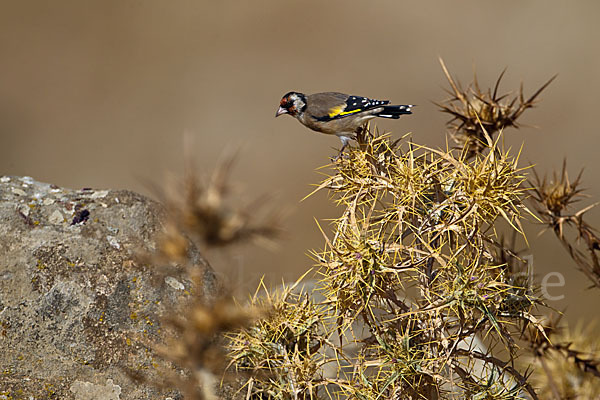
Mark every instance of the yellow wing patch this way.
pixel 338 111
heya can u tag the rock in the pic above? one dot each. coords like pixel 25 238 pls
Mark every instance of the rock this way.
pixel 89 391
pixel 75 304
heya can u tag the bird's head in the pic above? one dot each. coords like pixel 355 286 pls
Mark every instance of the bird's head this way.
pixel 292 103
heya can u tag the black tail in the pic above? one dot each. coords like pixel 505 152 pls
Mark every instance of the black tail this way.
pixel 395 111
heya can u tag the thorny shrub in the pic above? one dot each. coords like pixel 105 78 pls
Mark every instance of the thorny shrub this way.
pixel 416 294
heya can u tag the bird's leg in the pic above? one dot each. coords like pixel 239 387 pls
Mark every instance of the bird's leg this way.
pixel 345 140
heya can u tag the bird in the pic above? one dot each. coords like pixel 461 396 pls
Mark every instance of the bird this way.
pixel 339 114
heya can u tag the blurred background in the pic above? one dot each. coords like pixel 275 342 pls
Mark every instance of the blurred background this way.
pixel 100 93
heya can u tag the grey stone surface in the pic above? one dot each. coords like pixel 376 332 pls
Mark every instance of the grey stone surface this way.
pixel 75 304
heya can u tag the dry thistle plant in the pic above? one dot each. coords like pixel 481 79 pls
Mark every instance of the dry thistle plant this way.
pixel 414 305
pixel 552 200
pixel 478 113
pixel 569 360
pixel 201 215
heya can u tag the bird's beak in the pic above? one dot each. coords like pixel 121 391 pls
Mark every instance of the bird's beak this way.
pixel 280 112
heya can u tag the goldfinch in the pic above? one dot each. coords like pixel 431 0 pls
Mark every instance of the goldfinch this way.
pixel 337 113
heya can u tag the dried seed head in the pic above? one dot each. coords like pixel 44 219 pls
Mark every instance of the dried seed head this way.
pixel 557 194
pixel 206 213
pixel 477 114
